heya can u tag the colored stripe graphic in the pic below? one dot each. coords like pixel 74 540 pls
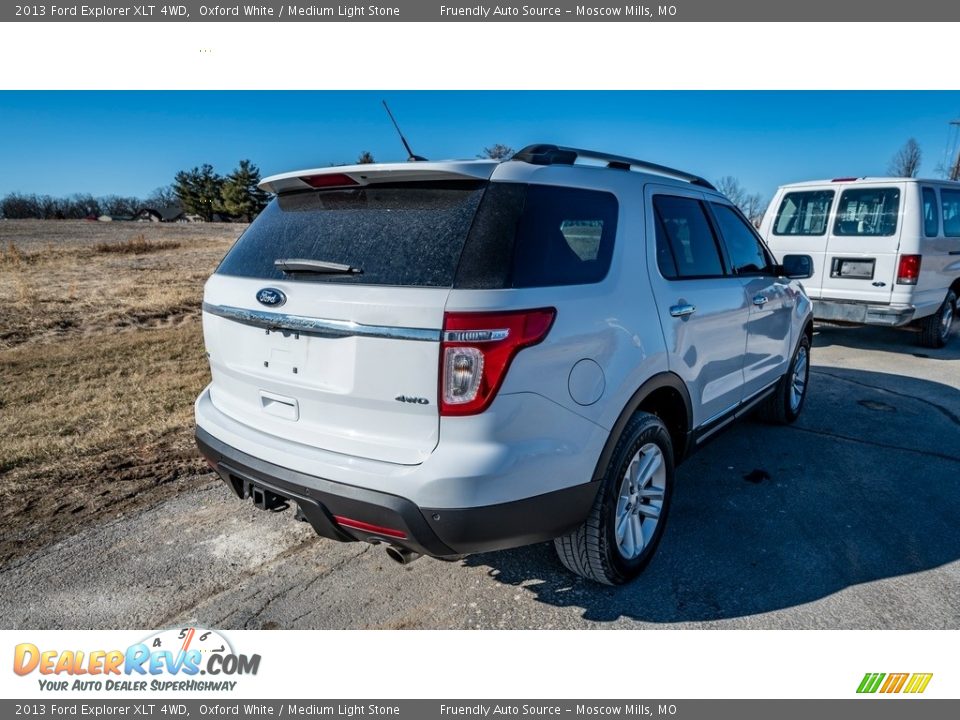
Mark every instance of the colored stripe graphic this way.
pixel 870 682
pixel 894 683
pixel 918 682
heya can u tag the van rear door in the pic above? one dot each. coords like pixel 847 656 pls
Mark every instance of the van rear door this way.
pixel 797 224
pixel 863 242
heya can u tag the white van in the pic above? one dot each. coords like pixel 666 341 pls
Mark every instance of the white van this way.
pixel 886 251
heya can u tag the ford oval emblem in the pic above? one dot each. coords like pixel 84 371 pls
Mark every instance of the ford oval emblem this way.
pixel 271 297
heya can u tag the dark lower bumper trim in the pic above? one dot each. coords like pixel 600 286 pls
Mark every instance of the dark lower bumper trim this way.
pixel 438 532
pixel 521 522
pixel 320 499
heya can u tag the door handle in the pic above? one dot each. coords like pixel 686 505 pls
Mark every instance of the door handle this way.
pixel 682 310
pixel 760 300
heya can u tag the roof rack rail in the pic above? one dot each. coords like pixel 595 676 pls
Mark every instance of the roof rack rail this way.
pixel 556 155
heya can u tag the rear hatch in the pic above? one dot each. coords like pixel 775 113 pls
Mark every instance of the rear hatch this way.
pixel 863 243
pixel 322 323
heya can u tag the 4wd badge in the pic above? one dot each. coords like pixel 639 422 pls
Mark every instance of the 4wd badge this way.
pixel 414 400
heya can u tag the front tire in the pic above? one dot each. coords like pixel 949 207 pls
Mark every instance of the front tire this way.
pixel 628 517
pixel 784 406
pixel 935 329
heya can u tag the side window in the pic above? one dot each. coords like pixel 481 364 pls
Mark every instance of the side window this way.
pixel 538 236
pixel 868 212
pixel 564 237
pixel 747 256
pixel 931 216
pixel 950 203
pixel 684 230
pixel 803 213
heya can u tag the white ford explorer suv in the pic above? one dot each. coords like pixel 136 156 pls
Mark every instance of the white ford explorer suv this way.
pixel 457 357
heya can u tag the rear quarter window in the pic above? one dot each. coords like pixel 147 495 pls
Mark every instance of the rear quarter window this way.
pixel 868 212
pixel 803 213
pixel 539 236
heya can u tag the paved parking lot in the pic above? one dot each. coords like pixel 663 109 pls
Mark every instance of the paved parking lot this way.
pixel 848 519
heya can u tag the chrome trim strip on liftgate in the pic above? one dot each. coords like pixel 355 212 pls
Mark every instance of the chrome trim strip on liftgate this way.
pixel 317 326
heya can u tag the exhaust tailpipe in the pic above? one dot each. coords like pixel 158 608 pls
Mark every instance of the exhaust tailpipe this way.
pixel 401 555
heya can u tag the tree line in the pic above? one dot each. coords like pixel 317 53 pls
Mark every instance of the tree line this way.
pixel 199 191
pixel 203 192
pixel 18 206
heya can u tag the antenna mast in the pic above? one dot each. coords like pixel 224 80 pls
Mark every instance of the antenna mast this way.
pixel 410 156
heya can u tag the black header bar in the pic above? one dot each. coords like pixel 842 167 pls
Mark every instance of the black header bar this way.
pixel 853 11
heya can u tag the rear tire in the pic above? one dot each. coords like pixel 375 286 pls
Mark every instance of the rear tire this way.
pixel 629 515
pixel 935 329
pixel 784 406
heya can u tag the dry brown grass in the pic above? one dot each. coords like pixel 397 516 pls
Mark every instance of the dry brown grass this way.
pixel 101 356
pixel 137 245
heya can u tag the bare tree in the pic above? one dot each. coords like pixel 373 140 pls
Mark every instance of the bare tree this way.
pixel 906 163
pixel 498 151
pixel 365 158
pixel 163 196
pixel 953 172
pixel 752 205
pixel 731 187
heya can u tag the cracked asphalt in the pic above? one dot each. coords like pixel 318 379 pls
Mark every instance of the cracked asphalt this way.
pixel 852 523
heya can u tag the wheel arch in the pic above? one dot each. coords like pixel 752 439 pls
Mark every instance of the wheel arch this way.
pixel 665 396
pixel 955 287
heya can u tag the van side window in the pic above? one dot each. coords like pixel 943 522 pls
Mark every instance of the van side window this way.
pixel 747 256
pixel 931 216
pixel 804 213
pixel 868 212
pixel 950 202
pixel 683 227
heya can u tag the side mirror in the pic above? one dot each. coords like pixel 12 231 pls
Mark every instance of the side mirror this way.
pixel 797 267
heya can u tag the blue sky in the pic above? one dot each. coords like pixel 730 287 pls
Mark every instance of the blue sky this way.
pixel 129 143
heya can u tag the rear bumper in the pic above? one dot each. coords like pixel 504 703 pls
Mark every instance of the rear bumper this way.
pixel 346 513
pixel 860 313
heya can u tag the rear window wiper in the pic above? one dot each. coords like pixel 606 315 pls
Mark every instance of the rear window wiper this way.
pixel 300 265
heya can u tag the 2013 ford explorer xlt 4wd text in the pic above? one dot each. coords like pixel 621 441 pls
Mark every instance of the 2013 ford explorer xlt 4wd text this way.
pixel 886 251
pixel 457 357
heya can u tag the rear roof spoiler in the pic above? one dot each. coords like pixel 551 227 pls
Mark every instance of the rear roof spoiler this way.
pixel 354 175
pixel 556 155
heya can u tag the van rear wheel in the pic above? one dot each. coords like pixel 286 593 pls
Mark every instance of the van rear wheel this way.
pixel 935 329
pixel 627 520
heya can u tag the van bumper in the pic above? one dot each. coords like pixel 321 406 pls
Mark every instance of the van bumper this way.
pixel 347 513
pixel 861 313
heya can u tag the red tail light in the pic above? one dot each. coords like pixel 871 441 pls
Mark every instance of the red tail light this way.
pixel 329 180
pixel 477 350
pixel 909 270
